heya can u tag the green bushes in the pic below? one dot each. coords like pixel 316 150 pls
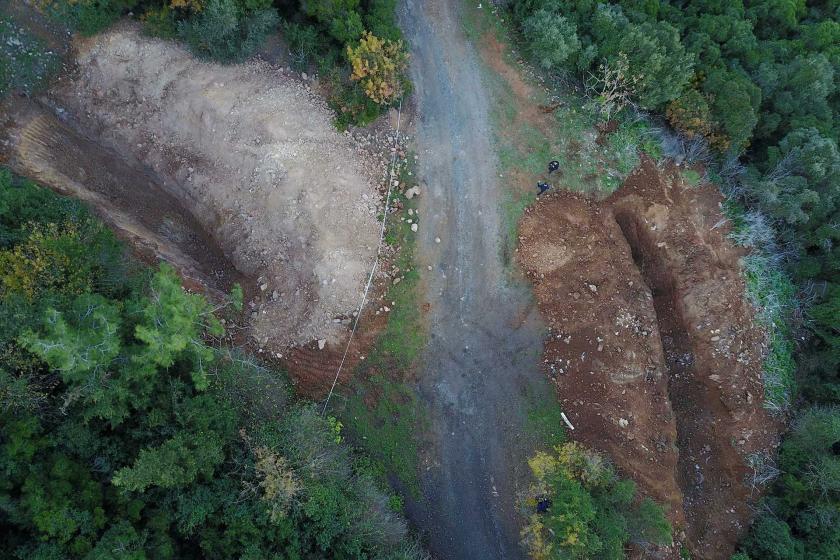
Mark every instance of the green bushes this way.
pixel 125 434
pixel 592 514
pixel 553 40
pixel 229 30
pixel 89 17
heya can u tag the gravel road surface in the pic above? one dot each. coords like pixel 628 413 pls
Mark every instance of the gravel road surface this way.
pixel 485 344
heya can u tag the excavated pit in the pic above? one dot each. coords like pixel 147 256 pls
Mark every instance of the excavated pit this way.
pixel 653 348
pixel 693 404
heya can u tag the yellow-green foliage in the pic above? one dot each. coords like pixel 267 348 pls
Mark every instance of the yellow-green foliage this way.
pixel 194 5
pixel 278 482
pixel 378 65
pixel 43 261
pixel 592 513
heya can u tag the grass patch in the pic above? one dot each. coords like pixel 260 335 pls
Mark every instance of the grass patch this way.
pixel 544 421
pixel 524 148
pixel 513 206
pixel 387 429
pixel 773 295
pixel 25 62
pixel 404 336
pixel 383 414
pixel 692 177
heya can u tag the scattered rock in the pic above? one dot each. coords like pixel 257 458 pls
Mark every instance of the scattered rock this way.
pixel 321 344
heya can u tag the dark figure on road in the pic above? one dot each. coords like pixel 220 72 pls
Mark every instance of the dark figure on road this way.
pixel 553 166
pixel 543 187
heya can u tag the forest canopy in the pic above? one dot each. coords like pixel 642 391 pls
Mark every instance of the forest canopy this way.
pixel 130 430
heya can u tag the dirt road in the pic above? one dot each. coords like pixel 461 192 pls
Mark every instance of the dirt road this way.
pixel 482 359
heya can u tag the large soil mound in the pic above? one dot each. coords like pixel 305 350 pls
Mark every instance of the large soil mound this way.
pixel 244 156
pixel 653 347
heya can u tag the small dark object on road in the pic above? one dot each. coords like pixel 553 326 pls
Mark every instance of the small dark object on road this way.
pixel 553 166
pixel 543 187
pixel 543 504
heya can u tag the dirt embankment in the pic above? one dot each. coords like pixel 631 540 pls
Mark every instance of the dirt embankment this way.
pixel 230 172
pixel 652 345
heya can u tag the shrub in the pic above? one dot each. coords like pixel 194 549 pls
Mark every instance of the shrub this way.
pixel 734 104
pixel 160 22
pixel 378 66
pixel 613 86
pixel 592 512
pixel 90 17
pixel 552 39
pixel 226 31
pixel 690 114
pixel 656 54
pixel 771 539
pixel 379 19
pixel 304 43
pixel 341 18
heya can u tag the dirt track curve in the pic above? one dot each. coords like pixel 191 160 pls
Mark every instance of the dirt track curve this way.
pixel 485 343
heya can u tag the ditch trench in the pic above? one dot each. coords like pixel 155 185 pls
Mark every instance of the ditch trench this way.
pixel 125 194
pixel 694 406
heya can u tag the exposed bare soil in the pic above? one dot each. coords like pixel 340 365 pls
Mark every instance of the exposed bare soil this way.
pixel 230 172
pixel 653 347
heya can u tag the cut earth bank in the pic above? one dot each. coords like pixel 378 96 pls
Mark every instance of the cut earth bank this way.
pixel 652 345
pixel 231 173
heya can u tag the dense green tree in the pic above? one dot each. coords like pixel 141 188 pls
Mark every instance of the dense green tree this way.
pixel 734 102
pixel 229 30
pixel 552 39
pixel 340 17
pixel 771 539
pixel 796 95
pixel 773 16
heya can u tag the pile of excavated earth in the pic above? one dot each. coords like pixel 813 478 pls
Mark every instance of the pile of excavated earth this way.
pixel 652 345
pixel 231 173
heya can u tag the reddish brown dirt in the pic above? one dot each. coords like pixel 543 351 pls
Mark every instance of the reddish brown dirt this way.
pixel 313 370
pixel 652 345
pixel 493 54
